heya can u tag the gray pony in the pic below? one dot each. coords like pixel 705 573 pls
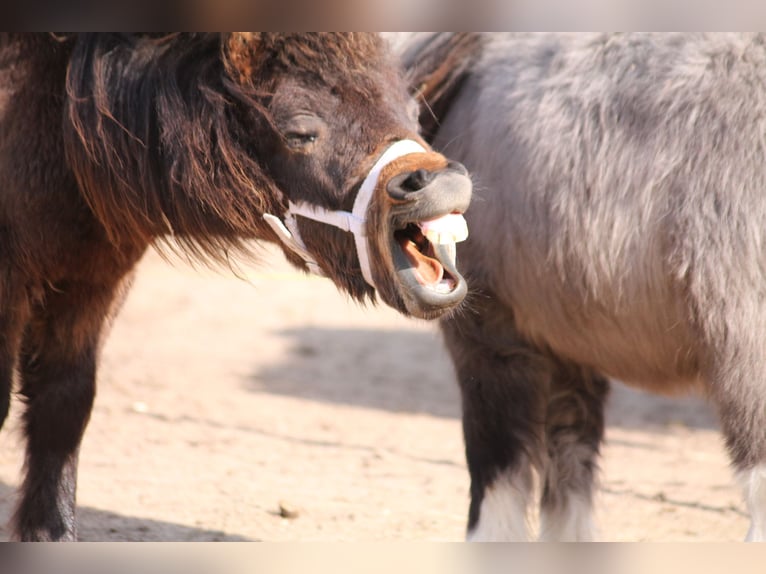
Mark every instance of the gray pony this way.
pixel 618 229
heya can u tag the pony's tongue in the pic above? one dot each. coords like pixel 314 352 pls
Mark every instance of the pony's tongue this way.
pixel 450 228
pixel 429 269
pixel 419 240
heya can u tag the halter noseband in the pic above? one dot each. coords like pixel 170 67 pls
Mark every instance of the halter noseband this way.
pixel 353 221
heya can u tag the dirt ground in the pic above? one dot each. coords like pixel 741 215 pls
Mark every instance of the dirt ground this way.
pixel 222 399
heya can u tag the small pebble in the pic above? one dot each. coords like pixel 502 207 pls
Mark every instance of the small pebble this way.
pixel 140 407
pixel 287 510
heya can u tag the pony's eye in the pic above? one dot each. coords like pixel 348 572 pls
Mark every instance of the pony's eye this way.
pixel 300 140
pixel 302 130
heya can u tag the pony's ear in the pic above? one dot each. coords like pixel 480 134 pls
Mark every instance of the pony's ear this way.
pixel 436 69
pixel 240 53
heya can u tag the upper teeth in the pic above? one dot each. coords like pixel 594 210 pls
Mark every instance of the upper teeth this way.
pixel 447 229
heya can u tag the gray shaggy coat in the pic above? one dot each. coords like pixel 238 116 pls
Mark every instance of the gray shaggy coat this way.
pixel 618 229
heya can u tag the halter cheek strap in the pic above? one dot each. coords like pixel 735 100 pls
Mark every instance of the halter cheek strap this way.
pixel 353 221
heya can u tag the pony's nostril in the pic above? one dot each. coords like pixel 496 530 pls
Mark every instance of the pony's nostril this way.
pixel 416 181
pixel 457 166
pixel 404 184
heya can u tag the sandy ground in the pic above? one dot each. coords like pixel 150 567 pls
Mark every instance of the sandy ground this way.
pixel 221 399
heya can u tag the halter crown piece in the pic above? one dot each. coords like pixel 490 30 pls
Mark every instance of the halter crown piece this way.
pixel 353 221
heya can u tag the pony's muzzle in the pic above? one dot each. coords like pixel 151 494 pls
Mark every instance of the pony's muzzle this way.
pixel 405 186
pixel 426 207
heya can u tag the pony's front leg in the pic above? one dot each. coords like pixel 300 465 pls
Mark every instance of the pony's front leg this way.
pixel 574 430
pixel 503 386
pixel 58 374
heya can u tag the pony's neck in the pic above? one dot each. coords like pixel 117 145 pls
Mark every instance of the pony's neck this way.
pixel 152 140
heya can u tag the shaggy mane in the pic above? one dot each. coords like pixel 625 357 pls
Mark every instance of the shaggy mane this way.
pixel 153 134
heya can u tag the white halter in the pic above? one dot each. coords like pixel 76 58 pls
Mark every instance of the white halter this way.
pixel 353 221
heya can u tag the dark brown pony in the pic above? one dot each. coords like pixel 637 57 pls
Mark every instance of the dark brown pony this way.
pixel 109 143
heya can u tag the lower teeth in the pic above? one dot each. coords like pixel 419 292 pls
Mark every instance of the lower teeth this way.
pixel 444 286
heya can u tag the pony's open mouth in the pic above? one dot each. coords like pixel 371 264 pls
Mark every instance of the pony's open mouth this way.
pixel 425 253
pixel 429 246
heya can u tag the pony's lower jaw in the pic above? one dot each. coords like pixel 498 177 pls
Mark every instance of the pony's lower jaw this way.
pixel 430 284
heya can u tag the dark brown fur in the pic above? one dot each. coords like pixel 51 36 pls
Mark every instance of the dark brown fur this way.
pixel 112 142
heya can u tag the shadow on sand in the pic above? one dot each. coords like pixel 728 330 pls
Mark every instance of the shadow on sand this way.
pixel 103 526
pixel 410 372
